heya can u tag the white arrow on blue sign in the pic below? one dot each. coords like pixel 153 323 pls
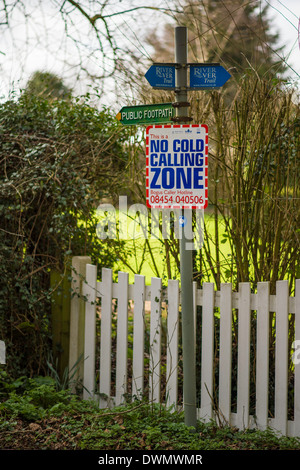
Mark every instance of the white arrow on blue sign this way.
pixel 161 76
pixel 208 76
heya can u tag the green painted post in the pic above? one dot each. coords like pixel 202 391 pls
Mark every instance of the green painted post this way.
pixel 60 314
pixel 186 265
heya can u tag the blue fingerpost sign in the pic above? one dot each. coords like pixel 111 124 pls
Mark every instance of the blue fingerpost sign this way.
pixel 208 76
pixel 161 76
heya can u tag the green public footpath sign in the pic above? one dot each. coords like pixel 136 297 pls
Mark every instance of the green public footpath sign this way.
pixel 146 114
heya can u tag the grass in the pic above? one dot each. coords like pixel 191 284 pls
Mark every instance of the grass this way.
pixel 140 262
pixel 34 415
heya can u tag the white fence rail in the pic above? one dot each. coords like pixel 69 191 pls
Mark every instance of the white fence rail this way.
pixel 249 347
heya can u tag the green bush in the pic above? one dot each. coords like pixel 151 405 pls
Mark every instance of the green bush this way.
pixel 59 159
pixel 38 416
pixel 40 399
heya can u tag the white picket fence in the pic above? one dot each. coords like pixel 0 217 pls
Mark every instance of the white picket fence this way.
pixel 2 352
pixel 217 306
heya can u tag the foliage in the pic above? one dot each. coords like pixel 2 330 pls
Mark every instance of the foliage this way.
pixel 253 185
pixel 236 34
pixel 58 160
pixel 44 418
pixel 239 34
pixel 254 175
pixel 48 86
pixel 38 398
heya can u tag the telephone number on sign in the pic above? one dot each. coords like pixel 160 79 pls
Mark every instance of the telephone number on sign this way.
pixel 156 199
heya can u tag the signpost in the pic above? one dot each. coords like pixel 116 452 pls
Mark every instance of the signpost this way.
pixel 176 173
pixel 186 260
pixel 204 77
pixel 176 166
pixel 146 114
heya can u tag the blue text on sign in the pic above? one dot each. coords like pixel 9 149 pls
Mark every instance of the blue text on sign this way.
pixel 180 168
pixel 183 145
pixel 178 178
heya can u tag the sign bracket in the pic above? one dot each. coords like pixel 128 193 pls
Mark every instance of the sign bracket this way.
pixel 180 104
pixel 182 119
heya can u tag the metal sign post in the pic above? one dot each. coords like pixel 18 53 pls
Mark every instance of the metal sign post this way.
pixel 163 180
pixel 186 264
pixel 171 167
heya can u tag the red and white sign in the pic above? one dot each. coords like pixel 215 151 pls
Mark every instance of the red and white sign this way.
pixel 176 166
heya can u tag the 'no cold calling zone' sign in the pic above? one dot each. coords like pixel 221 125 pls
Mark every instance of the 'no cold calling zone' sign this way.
pixel 176 166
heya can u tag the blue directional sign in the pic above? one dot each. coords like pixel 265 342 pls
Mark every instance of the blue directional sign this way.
pixel 161 76
pixel 208 76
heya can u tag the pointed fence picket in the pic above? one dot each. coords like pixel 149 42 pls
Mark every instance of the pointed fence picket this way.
pixel 161 380
pixel 2 352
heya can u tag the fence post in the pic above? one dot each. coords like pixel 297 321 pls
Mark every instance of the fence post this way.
pixel 262 354
pixel 122 338
pixel 138 336
pixel 105 342
pixel 207 351
pixel 60 316
pixel 225 367
pixel 244 332
pixel 296 361
pixel 172 343
pixel 89 291
pixel 281 356
pixel 155 340
pixel 77 314
pixel 2 352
